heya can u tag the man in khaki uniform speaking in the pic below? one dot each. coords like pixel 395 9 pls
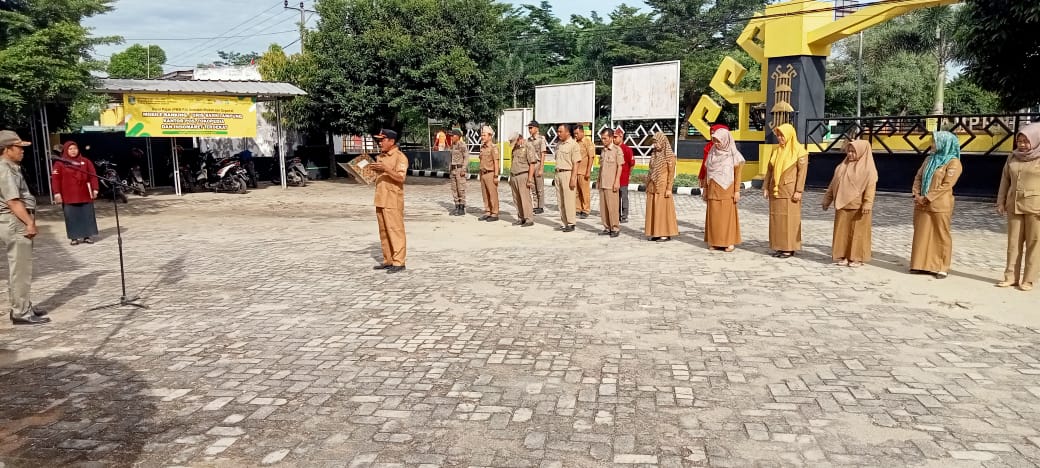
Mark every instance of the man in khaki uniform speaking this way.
pixel 489 174
pixel 521 178
pixel 584 170
pixel 457 172
pixel 541 149
pixel 18 215
pixel 568 155
pixel 392 166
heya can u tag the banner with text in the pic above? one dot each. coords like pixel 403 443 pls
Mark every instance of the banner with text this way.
pixel 174 115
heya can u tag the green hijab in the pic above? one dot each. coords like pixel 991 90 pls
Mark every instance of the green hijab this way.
pixel 947 148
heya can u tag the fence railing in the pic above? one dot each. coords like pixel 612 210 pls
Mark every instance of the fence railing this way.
pixel 984 134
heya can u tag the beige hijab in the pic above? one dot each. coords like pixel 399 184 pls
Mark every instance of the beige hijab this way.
pixel 854 174
pixel 1032 133
pixel 722 158
pixel 662 160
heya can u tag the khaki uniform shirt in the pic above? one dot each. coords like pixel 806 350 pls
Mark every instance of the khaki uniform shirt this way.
pixel 524 157
pixel 488 157
pixel 568 155
pixel 539 146
pixel 940 194
pixel 1020 187
pixel 13 187
pixel 389 193
pixel 459 153
pixel 791 181
pixel 588 156
pixel 610 161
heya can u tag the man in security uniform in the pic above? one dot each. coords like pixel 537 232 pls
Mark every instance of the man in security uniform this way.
pixel 18 215
pixel 457 172
pixel 392 167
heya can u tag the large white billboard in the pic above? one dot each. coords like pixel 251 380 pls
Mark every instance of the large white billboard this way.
pixel 514 120
pixel 565 103
pixel 648 91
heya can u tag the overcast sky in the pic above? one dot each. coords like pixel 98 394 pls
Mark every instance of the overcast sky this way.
pixel 236 25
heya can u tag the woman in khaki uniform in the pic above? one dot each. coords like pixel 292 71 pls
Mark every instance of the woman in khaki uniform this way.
pixel 721 190
pixel 783 186
pixel 1019 200
pixel 852 193
pixel 661 224
pixel 932 250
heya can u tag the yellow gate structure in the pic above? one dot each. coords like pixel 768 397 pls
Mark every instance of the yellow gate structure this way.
pixel 791 41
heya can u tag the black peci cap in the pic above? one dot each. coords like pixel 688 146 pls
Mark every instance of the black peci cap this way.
pixel 386 133
pixel 533 123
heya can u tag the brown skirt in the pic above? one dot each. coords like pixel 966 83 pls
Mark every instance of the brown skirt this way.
pixel 852 236
pixel 721 223
pixel 660 216
pixel 785 225
pixel 933 244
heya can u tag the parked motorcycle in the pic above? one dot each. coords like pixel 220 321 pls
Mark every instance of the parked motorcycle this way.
pixel 245 157
pixel 295 173
pixel 107 170
pixel 225 175
pixel 134 178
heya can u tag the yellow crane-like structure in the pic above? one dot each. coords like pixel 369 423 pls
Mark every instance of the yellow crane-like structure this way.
pixel 790 40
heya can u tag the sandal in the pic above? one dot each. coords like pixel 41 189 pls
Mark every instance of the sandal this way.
pixel 729 249
pixel 941 275
pixel 842 262
pixel 74 242
pixel 88 240
pixel 784 254
pixel 1026 287
pixel 855 264
pixel 1006 284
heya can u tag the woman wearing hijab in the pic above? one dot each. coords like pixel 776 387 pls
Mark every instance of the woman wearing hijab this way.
pixel 783 186
pixel 852 193
pixel 75 186
pixel 932 251
pixel 661 224
pixel 702 176
pixel 721 190
pixel 1019 200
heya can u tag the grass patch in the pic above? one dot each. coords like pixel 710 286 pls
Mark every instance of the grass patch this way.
pixel 639 176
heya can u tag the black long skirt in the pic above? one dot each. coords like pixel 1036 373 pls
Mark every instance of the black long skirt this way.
pixel 80 222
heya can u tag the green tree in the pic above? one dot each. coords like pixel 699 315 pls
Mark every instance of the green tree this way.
pixel 137 62
pixel 45 56
pixel 964 96
pixel 397 62
pixel 275 65
pixel 1000 47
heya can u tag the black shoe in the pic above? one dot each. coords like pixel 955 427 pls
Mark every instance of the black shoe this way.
pixel 483 218
pixel 615 234
pixel 527 224
pixel 539 211
pixel 454 211
pixel 462 210
pixel 31 319
pixel 653 239
pixel 569 228
pixel 518 222
pixel 381 267
pixel 491 219
pixel 38 311
pixel 395 269
pixel 624 220
pixel 605 232
pixel 663 239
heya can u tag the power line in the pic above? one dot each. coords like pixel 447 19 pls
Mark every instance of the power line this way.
pixel 231 30
pixel 270 22
pixel 204 38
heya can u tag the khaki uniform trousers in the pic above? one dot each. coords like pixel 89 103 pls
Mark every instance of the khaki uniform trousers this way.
pixel 609 209
pixel 566 196
pixel 489 189
pixel 457 178
pixel 1023 252
pixel 391 235
pixel 584 195
pixel 521 196
pixel 539 189
pixel 19 264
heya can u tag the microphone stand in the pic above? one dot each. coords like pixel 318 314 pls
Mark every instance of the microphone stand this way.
pixel 124 300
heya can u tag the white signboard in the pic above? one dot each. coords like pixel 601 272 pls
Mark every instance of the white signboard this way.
pixel 565 103
pixel 514 120
pixel 648 91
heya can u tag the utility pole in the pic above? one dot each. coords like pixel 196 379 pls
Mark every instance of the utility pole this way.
pixel 303 19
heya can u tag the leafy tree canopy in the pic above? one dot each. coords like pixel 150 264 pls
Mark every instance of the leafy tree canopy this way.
pixel 137 62
pixel 1001 48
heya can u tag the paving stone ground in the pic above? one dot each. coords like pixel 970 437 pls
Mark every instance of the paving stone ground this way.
pixel 269 340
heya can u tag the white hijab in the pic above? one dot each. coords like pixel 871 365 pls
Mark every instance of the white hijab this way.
pixel 723 157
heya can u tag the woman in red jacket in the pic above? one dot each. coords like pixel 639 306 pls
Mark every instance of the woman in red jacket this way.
pixel 75 185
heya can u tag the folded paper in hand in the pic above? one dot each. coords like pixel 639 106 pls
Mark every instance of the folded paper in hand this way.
pixel 360 170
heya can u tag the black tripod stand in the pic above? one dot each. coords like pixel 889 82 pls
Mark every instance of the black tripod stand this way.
pixel 112 184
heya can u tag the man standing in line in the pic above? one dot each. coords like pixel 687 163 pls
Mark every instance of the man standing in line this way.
pixel 541 149
pixel 457 172
pixel 568 156
pixel 626 170
pixel 584 170
pixel 392 167
pixel 610 162
pixel 521 178
pixel 489 174
pixel 18 215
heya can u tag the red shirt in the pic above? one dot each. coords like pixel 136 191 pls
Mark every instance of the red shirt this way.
pixel 630 162
pixel 73 185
